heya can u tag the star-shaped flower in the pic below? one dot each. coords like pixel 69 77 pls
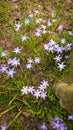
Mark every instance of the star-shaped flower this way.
pixel 25 90
pixel 30 60
pixel 70 117
pixel 10 72
pixel 17 50
pixel 37 93
pixel 3 127
pixel 61 66
pixel 24 37
pixel 27 21
pixel 37 60
pixel 44 83
pixel 41 87
pixel 58 49
pixel 58 58
pixel 43 127
pixel 14 62
pixel 17 26
pixel 29 66
pixel 31 89
pixel 10 61
pixel 3 68
pixel 43 95
pixel 68 47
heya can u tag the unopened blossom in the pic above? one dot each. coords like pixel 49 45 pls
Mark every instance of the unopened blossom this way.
pixel 60 28
pixel 49 23
pixel 17 50
pixel 38 20
pixel 46 47
pixel 10 72
pixel 61 66
pixel 38 30
pixel 24 37
pixel 43 26
pixel 37 60
pixel 44 31
pixel 63 40
pixel 24 90
pixel 28 66
pixel 43 126
pixel 67 57
pixel 54 20
pixel 30 15
pixel 37 34
pixel 3 54
pixel 70 33
pixel 36 12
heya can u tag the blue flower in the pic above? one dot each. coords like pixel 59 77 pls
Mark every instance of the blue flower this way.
pixel 70 117
pixel 4 127
pixel 43 127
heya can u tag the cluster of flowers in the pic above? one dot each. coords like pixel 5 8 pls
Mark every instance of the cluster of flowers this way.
pixel 9 68
pixel 14 62
pixel 39 30
pixel 30 62
pixel 43 26
pixel 38 93
pixel 58 50
pixel 57 124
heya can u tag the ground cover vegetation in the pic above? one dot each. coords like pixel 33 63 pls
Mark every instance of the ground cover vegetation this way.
pixel 35 45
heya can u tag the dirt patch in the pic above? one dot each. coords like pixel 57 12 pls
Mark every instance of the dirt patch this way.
pixel 6 45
